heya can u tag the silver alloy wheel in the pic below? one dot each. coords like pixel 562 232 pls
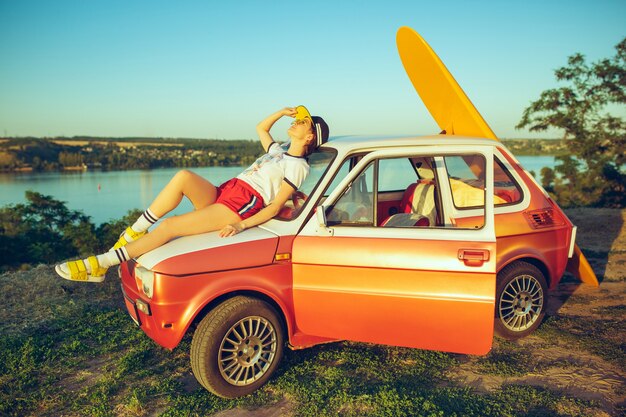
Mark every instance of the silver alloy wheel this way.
pixel 247 350
pixel 521 303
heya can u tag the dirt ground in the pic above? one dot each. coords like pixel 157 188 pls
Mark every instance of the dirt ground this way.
pixel 558 364
pixel 602 237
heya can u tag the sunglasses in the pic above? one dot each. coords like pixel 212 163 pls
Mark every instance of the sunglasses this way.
pixel 300 122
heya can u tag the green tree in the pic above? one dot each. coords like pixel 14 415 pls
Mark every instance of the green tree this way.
pixel 547 178
pixel 109 232
pixel 580 108
pixel 42 231
pixel 70 159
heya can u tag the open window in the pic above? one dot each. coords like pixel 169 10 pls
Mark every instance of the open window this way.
pixel 404 192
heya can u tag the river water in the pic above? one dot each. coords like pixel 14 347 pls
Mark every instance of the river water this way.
pixel 109 195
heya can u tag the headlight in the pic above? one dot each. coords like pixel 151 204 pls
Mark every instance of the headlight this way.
pixel 146 277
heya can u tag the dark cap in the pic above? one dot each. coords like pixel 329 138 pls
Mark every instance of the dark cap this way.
pixel 320 128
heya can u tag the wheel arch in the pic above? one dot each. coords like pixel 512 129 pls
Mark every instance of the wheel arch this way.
pixel 247 293
pixel 538 263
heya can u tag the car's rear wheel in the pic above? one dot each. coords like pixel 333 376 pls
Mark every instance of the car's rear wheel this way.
pixel 237 346
pixel 521 300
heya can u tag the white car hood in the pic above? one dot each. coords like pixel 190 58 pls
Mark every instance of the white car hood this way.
pixel 187 254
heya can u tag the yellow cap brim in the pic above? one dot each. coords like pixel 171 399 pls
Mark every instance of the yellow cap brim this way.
pixel 303 113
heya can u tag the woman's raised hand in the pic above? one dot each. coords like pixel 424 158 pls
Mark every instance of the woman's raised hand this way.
pixel 263 128
pixel 289 111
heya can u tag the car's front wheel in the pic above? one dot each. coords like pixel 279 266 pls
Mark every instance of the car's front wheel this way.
pixel 237 346
pixel 521 300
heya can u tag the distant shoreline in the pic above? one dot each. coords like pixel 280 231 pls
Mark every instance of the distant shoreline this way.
pixel 80 153
pixel 120 154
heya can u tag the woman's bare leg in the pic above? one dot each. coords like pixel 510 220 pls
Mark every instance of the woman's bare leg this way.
pixel 198 190
pixel 207 219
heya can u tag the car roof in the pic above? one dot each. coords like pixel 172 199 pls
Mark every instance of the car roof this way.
pixel 347 144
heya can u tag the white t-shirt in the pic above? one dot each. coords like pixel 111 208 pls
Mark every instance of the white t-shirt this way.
pixel 267 173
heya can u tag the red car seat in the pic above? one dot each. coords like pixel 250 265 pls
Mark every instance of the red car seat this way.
pixel 417 207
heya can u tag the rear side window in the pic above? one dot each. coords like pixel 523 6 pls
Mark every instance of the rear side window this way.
pixel 467 172
pixel 504 186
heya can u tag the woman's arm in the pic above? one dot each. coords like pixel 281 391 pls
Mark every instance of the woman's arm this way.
pixel 263 215
pixel 263 128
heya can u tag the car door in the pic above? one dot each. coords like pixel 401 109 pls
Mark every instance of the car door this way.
pixel 423 287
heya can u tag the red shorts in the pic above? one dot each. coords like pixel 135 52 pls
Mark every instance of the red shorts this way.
pixel 240 197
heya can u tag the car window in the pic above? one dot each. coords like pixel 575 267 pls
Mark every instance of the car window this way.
pixel 466 175
pixel 504 186
pixel 341 174
pixel 355 206
pixel 469 171
pixel 319 161
pixel 395 174
pixel 405 192
pixel 318 164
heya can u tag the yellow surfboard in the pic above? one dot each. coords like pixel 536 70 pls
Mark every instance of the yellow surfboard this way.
pixel 446 101
pixel 454 112
pixel 580 268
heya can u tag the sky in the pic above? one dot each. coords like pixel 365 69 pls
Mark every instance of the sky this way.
pixel 214 69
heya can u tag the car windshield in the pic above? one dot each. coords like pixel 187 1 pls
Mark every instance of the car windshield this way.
pixel 319 161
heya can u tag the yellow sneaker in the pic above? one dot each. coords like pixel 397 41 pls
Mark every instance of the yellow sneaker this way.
pixel 77 271
pixel 132 236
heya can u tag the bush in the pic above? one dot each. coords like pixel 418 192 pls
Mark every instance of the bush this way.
pixel 44 230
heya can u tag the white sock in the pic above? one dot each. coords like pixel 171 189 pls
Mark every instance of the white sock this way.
pixel 112 257
pixel 105 260
pixel 147 219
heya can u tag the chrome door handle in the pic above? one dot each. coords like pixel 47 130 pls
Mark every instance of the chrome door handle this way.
pixel 473 257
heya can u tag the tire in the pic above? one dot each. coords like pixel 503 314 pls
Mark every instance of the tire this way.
pixel 237 346
pixel 521 300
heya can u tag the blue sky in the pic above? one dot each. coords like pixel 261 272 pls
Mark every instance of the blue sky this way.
pixel 213 69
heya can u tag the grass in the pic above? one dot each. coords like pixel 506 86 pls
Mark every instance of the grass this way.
pixel 79 354
pixel 506 359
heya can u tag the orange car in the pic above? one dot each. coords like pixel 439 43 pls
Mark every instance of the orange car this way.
pixel 424 242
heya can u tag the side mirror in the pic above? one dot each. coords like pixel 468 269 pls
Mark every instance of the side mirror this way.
pixel 322 225
pixel 320 214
